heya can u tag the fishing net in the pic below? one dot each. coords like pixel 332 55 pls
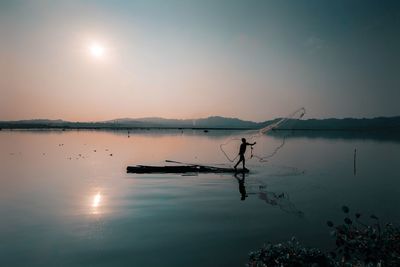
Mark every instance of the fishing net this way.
pixel 262 151
pixel 278 199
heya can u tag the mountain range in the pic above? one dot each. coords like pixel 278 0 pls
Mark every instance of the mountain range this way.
pixel 214 122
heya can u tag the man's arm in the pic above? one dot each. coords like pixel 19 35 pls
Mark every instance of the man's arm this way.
pixel 251 144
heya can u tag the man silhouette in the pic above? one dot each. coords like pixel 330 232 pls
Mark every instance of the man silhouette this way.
pixel 242 150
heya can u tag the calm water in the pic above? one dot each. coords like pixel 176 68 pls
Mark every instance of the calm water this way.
pixel 65 199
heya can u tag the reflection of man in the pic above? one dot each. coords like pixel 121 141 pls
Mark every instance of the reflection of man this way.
pixel 242 150
pixel 242 188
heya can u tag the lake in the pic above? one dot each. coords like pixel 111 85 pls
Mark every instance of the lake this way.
pixel 66 199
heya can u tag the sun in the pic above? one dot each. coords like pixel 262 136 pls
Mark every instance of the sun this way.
pixel 96 50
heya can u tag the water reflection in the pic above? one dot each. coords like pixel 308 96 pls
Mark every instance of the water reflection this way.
pixel 87 208
pixel 96 202
pixel 279 199
pixel 377 135
pixel 242 187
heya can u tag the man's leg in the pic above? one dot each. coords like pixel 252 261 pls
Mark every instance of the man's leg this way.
pixel 240 159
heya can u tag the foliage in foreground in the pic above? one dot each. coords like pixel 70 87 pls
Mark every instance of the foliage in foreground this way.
pixel 357 244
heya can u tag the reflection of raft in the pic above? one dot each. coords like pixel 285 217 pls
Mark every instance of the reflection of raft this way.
pixel 182 169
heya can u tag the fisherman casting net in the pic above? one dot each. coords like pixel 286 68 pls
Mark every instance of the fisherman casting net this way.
pixel 262 151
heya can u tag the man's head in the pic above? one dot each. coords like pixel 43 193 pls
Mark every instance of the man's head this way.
pixel 244 140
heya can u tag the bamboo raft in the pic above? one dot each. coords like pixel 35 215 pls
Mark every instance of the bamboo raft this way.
pixel 182 169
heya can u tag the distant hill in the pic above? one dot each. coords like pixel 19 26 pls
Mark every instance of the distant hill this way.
pixel 214 122
pixel 210 122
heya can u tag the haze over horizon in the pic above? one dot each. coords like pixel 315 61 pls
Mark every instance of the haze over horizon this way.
pixel 256 60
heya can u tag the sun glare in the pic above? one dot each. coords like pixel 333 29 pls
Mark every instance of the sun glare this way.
pixel 96 50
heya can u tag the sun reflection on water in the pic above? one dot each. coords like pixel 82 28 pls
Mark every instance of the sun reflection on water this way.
pixel 96 203
pixel 96 200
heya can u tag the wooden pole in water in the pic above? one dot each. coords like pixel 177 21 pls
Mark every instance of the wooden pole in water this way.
pixel 354 162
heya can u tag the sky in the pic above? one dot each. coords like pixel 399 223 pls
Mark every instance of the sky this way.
pixel 254 60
